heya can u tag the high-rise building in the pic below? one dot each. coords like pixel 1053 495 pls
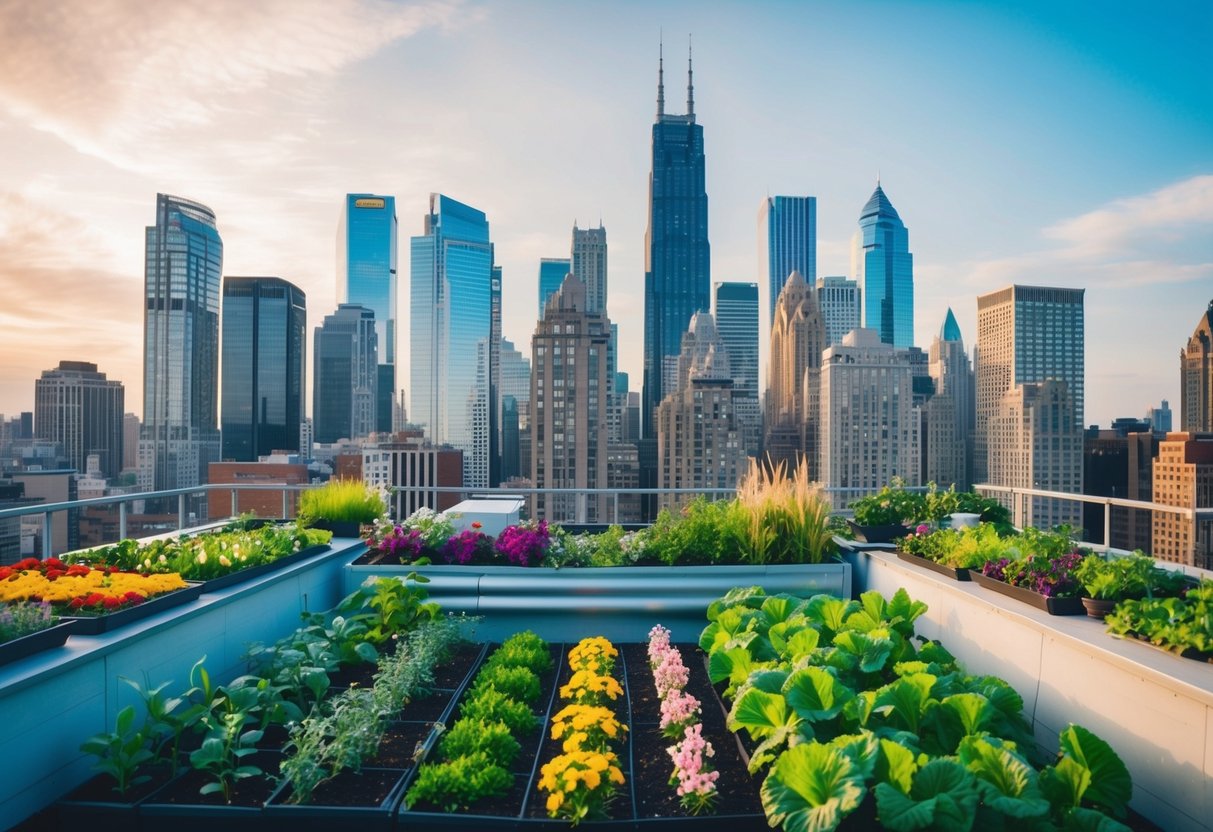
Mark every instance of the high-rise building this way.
pixel 264 356
pixel 870 427
pixel 787 242
pixel 1196 377
pixel 884 269
pixel 415 469
pixel 79 408
pixel 131 426
pixel 841 306
pixel 516 387
pixel 1183 477
pixel 182 268
pixel 487 438
pixel 569 439
pixel 1160 417
pixel 699 443
pixel 736 314
pixel 950 412
pixel 366 275
pixel 344 387
pixel 589 263
pixel 677 272
pixel 552 272
pixel 793 418
pixel 451 310
pixel 1026 334
pixel 1119 463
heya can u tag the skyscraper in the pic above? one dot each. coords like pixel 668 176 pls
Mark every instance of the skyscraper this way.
pixel 264 357
pixel 589 263
pixel 78 407
pixel 1183 477
pixel 736 313
pixel 569 392
pixel 366 275
pixel 787 242
pixel 182 266
pixel 950 411
pixel 552 272
pixel 346 354
pixel 1026 334
pixel 677 275
pixel 883 267
pixel 1160 417
pixel 451 313
pixel 841 306
pixel 1196 377
pixel 798 336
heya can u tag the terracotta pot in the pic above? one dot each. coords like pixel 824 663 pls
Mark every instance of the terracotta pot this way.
pixel 1098 607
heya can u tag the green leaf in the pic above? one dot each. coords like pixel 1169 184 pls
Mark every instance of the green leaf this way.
pixel 895 765
pixel 815 694
pixel 1065 783
pixel 943 796
pixel 735 665
pixel 772 681
pixel 802 642
pixel 1089 820
pixel 933 651
pixel 732 598
pixel 1111 786
pixel 729 623
pixel 863 749
pixel 778 608
pixel 1006 782
pixel 367 652
pixel 973 710
pixel 905 701
pixel 811 788
pixel 872 649
pixel 761 713
pixel 829 611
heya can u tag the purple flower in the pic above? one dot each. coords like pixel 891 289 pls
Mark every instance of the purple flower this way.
pixel 523 545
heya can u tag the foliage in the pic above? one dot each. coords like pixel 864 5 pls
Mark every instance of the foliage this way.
pixel 491 705
pixel 341 501
pixel 891 506
pixel 458 783
pixel 783 519
pixel 1050 575
pixel 518 683
pixel 25 618
pixel 523 649
pixel 1118 579
pixel 701 532
pixel 471 736
pixel 120 753
pixel 399 606
pixel 418 539
pixel 1177 624
pixel 959 548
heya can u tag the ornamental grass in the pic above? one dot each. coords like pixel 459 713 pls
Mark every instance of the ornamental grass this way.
pixel 787 517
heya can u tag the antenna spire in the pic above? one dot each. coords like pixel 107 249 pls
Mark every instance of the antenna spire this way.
pixel 690 81
pixel 660 81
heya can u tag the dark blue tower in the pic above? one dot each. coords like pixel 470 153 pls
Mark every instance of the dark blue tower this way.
pixel 677 276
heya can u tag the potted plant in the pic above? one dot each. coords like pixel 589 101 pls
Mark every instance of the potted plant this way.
pixel 1106 582
pixel 341 506
pixel 885 516
pixel 27 628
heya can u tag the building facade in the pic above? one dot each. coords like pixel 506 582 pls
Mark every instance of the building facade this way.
pixel 870 427
pixel 1183 477
pixel 1160 417
pixel 884 269
pixel 83 411
pixel 793 418
pixel 569 385
pixel 280 469
pixel 366 275
pixel 264 358
pixel 787 242
pixel 589 263
pixel 451 310
pixel 1196 378
pixel 841 306
pixel 415 470
pixel 516 386
pixel 552 272
pixel 699 442
pixel 182 268
pixel 677 272
pixel 344 387
pixel 951 411
pixel 736 313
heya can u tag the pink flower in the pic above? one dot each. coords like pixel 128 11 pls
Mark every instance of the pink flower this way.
pixel 922 529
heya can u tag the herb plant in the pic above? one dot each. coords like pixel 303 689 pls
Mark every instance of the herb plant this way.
pixel 1118 579
pixel 25 618
pixel 1177 624
pixel 518 683
pixel 459 783
pixel 491 705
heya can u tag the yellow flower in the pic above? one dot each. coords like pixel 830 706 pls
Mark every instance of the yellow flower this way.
pixel 554 801
pixel 223 561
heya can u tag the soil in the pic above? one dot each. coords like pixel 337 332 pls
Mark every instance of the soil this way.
pixel 369 787
pixel 101 788
pixel 429 707
pixel 252 792
pixel 400 744
pixel 362 675
pixel 448 674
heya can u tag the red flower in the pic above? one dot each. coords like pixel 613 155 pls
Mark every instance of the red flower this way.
pixel 476 524
pixel 76 603
pixel 54 574
pixel 54 563
pixel 133 597
pixel 77 571
pixel 6 572
pixel 28 563
pixel 111 603
pixel 94 599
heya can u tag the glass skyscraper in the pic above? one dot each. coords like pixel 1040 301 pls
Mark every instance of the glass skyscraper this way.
pixel 264 353
pixel 787 236
pixel 344 390
pixel 737 322
pixel 366 275
pixel 677 275
pixel 182 267
pixel 451 324
pixel 884 268
pixel 552 271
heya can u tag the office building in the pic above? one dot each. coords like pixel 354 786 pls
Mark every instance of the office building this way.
pixel 1119 463
pixel 1160 417
pixel 793 418
pixel 552 272
pixel 264 356
pixel 184 261
pixel 569 438
pixel 950 412
pixel 841 306
pixel 414 469
pixel 516 387
pixel 344 387
pixel 677 273
pixel 82 410
pixel 49 486
pixel 699 442
pixel 451 310
pixel 870 427
pixel 589 263
pixel 736 314
pixel 787 242
pixel 1183 477
pixel 366 275
pixel 271 469
pixel 883 267
pixel 1196 377
pixel 131 427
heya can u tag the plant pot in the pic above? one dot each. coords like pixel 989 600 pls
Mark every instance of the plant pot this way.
pixel 20 648
pixel 948 571
pixel 339 528
pixel 95 806
pixel 964 520
pixel 1053 606
pixel 1098 607
pixel 180 806
pixel 878 534
pixel 95 625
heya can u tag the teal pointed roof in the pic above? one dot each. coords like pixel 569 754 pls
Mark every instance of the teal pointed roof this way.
pixel 950 331
pixel 878 204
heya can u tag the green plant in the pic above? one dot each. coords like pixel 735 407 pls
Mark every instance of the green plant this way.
pixel 341 501
pixel 523 649
pixel 458 783
pixel 24 618
pixel 960 548
pixel 1118 579
pixel 224 746
pixel 491 705
pixel 891 506
pixel 518 683
pixel 165 721
pixel 781 518
pixel 470 736
pixel 120 753
pixel 399 606
pixel 1177 624
pixel 698 533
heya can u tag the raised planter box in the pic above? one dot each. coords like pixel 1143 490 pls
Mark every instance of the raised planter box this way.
pixel 926 563
pixel 95 625
pixel 242 575
pixel 1053 606
pixel 20 648
pixel 878 534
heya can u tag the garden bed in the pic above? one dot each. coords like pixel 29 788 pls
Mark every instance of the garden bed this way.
pixel 242 575
pixel 1053 606
pixel 25 646
pixel 926 563
pixel 95 625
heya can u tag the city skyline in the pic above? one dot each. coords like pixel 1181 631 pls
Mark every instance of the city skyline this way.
pixel 1022 144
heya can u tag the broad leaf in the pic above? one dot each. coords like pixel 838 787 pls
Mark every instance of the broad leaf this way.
pixel 811 788
pixel 943 796
pixel 933 651
pixel 1089 820
pixel 1111 786
pixel 1006 782
pixel 761 713
pixel 816 694
pixel 777 608
pixel 895 765
pixel 728 624
pixel 972 709
pixel 829 611
pixel 862 748
pixel 904 701
pixel 772 681
pixel 735 665
pixel 801 643
pixel 734 597
pixel 873 649
pixel 1065 783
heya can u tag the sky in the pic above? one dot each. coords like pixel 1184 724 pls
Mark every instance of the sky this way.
pixel 1041 143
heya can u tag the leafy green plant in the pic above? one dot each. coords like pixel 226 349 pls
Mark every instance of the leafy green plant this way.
pixel 523 649
pixel 120 753
pixel 960 548
pixel 892 505
pixel 459 783
pixel 341 501
pixel 471 736
pixel 1176 624
pixel 25 618
pixel 698 533
pixel 1118 579
pixel 222 750
pixel 491 705
pixel 518 683
pixel 399 605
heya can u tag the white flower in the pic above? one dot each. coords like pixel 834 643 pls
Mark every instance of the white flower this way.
pixel 147 563
pixel 223 561
pixel 235 548
pixel 201 557
pixel 162 559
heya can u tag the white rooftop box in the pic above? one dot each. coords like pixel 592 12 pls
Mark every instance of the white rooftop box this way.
pixel 492 515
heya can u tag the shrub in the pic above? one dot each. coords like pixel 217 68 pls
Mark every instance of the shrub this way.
pixel 472 736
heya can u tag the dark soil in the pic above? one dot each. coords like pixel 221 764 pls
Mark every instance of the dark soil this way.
pixel 426 708
pixel 450 673
pixel 101 788
pixel 362 675
pixel 400 744
pixel 369 787
pixel 252 792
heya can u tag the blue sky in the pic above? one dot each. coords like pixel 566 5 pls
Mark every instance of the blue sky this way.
pixel 1056 144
